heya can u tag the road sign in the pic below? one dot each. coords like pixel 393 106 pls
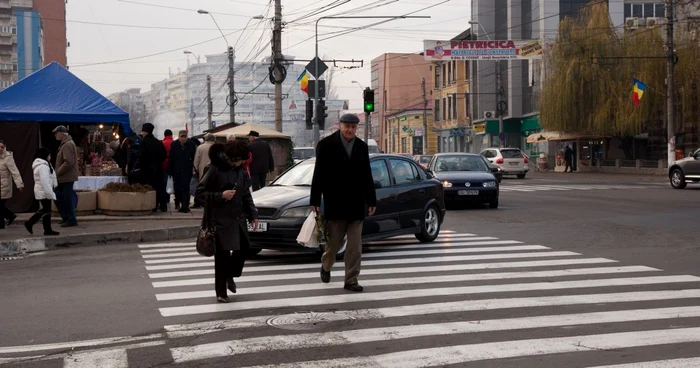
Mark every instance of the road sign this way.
pixel 311 67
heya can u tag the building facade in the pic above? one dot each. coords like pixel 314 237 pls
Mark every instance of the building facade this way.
pixel 21 41
pixel 397 84
pixel 405 129
pixel 55 38
pixel 132 101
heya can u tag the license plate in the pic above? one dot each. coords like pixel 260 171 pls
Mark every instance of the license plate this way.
pixel 262 227
pixel 468 192
pixel 514 163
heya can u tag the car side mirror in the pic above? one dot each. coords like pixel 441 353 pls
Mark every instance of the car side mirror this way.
pixel 377 184
pixel 494 169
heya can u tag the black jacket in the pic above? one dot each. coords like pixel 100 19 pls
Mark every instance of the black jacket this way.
pixel 229 216
pixel 181 163
pixel 263 162
pixel 346 184
pixel 152 156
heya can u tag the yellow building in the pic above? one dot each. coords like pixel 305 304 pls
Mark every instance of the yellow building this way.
pixel 452 110
pixel 406 131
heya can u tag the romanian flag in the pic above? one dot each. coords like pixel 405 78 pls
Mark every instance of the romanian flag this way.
pixel 187 128
pixel 304 82
pixel 638 91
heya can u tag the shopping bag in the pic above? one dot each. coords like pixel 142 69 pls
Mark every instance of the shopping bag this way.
pixel 308 236
pixel 169 187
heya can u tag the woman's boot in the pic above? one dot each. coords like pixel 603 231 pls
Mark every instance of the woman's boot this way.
pixel 47 226
pixel 32 221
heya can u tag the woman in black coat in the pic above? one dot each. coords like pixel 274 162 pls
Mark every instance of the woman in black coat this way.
pixel 225 192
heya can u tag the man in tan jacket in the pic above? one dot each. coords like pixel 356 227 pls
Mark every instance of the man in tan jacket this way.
pixel 66 175
pixel 201 160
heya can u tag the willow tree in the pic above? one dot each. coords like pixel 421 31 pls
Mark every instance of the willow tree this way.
pixel 591 66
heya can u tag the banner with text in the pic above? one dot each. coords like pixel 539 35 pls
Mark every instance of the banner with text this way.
pixel 333 105
pixel 482 50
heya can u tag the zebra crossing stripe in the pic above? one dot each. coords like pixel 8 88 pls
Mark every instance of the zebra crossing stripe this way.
pixel 417 293
pixel 199 328
pixel 411 281
pixel 359 336
pixel 456 354
pixel 385 271
pixel 670 363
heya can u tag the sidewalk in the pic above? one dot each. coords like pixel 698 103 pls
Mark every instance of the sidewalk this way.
pixel 99 230
pixel 618 177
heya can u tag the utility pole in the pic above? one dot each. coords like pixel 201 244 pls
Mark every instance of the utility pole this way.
pixel 425 118
pixel 670 87
pixel 209 104
pixel 368 118
pixel 499 82
pixel 277 50
pixel 231 93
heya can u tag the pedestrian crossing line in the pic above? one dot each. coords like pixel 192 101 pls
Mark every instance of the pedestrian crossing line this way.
pixel 116 358
pixel 359 336
pixel 457 354
pixel 412 239
pixel 398 270
pixel 165 245
pixel 533 188
pixel 76 344
pixel 442 245
pixel 410 281
pixel 442 250
pixel 199 328
pixel 86 357
pixel 417 293
pixel 387 262
pixel 669 363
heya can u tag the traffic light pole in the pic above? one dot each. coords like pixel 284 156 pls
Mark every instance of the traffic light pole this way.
pixel 367 126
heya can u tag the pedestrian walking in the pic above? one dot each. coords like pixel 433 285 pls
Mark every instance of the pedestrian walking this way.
pixel 263 161
pixel 133 159
pixel 44 183
pixel 153 156
pixel 225 192
pixel 569 158
pixel 181 168
pixel 167 144
pixel 8 174
pixel 343 177
pixel 66 175
pixel 201 160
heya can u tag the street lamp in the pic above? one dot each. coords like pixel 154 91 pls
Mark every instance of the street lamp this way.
pixel 201 11
pixel 358 83
pixel 425 105
pixel 193 54
pixel 499 82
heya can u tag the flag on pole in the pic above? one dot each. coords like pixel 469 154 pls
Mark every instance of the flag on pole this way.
pixel 638 91
pixel 304 82
pixel 187 128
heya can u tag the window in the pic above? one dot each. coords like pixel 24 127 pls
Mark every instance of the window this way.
pixel 437 110
pixel 454 71
pixel 449 107
pixel 444 109
pixel 648 10
pixel 380 172
pixel 628 10
pixel 460 163
pixel 660 11
pixel 454 106
pixel 404 172
pixel 637 10
pixel 488 153
pixel 444 76
pixel 403 145
pixel 449 72
pixel 511 153
pixel 437 76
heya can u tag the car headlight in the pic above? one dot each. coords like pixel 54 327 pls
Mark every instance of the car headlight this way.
pixel 297 212
pixel 490 184
pixel 446 184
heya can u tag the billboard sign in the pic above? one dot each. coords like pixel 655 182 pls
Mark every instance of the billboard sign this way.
pixel 482 50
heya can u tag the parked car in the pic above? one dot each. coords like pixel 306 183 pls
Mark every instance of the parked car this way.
pixel 465 177
pixel 512 161
pixel 422 160
pixel 685 171
pixel 409 201
pixel 302 153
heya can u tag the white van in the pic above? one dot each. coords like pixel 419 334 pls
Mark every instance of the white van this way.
pixel 373 147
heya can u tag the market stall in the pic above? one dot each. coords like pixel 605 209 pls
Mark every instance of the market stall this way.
pixel 52 96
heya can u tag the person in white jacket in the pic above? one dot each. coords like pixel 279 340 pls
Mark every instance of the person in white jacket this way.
pixel 44 184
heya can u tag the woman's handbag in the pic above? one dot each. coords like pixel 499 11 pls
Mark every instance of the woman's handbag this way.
pixel 206 240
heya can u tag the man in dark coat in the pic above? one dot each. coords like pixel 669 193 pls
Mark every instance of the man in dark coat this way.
pixel 133 158
pixel 181 168
pixel 152 157
pixel 263 162
pixel 569 158
pixel 343 177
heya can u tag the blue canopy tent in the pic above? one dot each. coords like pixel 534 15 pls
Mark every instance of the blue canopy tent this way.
pixel 32 107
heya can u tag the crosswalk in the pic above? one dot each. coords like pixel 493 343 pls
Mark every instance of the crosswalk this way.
pixel 565 187
pixel 467 300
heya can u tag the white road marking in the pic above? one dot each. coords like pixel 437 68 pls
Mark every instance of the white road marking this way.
pixel 116 358
pixel 418 293
pixel 76 344
pixel 457 354
pixel 194 329
pixel 385 271
pixel 165 245
pixel 670 363
pixel 411 281
pixel 358 336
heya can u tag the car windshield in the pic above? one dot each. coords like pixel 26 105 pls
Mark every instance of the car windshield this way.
pixel 460 163
pixel 303 153
pixel 511 153
pixel 425 159
pixel 298 176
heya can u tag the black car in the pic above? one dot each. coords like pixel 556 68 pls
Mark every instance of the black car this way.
pixel 409 201
pixel 466 177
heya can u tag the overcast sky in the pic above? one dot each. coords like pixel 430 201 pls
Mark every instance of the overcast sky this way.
pixel 101 32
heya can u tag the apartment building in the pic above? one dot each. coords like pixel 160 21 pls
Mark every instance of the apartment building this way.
pixel 21 41
pixel 397 84
pixel 53 12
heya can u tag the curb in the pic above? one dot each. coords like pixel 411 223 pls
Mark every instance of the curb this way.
pixel 29 245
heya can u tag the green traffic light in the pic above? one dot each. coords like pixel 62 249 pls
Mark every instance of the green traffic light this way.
pixel 369 107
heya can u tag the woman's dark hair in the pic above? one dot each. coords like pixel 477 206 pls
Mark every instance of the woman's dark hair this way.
pixel 43 153
pixel 236 150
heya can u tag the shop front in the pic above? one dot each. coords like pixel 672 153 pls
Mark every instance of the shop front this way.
pixel 486 134
pixel 586 150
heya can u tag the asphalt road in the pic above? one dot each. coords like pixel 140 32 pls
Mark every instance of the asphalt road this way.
pixel 571 271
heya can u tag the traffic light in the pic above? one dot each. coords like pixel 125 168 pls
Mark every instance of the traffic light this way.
pixel 309 114
pixel 368 96
pixel 321 114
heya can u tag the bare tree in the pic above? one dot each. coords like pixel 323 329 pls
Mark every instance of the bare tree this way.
pixel 331 88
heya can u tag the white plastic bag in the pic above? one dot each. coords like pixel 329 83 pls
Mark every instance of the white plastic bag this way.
pixel 169 187
pixel 308 236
